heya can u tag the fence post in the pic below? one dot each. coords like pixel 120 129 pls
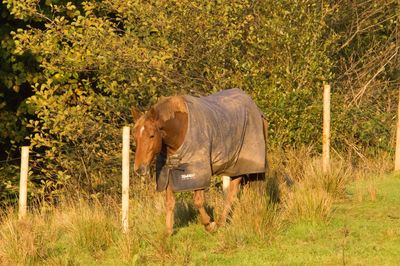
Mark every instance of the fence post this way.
pixel 125 178
pixel 23 182
pixel 326 134
pixel 397 153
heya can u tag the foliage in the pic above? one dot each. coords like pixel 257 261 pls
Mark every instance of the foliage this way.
pixel 16 75
pixel 367 80
pixel 98 59
pixel 82 66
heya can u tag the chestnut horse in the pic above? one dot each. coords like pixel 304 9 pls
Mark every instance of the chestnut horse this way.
pixel 163 129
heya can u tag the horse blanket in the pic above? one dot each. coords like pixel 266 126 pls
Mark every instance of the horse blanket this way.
pixel 225 136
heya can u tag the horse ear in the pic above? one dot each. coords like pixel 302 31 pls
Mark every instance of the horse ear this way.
pixel 136 114
pixel 152 114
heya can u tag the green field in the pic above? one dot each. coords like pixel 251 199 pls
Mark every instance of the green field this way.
pixel 361 229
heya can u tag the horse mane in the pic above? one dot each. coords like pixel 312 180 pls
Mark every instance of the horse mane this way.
pixel 166 108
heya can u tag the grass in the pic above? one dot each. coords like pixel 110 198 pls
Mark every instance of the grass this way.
pixel 359 232
pixel 345 218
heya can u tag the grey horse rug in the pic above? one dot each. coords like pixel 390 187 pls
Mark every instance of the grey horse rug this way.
pixel 225 136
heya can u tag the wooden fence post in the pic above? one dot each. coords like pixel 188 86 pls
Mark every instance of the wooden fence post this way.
pixel 125 178
pixel 23 181
pixel 326 134
pixel 397 153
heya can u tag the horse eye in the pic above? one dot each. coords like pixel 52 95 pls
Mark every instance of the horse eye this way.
pixel 151 136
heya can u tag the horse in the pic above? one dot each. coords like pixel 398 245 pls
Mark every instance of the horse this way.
pixel 194 138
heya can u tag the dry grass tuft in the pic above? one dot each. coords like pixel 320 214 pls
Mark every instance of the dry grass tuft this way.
pixel 254 218
pixel 305 191
pixel 304 203
pixel 28 241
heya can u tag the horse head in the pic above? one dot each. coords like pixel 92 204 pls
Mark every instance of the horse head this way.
pixel 148 137
pixel 165 123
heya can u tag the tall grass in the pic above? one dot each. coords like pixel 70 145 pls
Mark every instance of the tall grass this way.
pixel 306 192
pixel 82 232
pixel 61 233
pixel 254 219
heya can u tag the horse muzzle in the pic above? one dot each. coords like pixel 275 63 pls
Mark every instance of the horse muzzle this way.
pixel 142 170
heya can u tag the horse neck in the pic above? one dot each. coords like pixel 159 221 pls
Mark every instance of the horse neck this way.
pixel 175 131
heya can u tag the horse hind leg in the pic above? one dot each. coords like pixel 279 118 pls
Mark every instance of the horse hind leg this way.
pixel 230 198
pixel 226 180
pixel 204 217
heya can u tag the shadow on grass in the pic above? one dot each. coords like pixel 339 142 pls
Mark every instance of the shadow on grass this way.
pixel 186 213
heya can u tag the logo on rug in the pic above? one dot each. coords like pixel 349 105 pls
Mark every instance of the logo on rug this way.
pixel 188 176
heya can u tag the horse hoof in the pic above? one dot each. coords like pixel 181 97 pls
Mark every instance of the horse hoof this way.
pixel 211 227
pixel 168 233
pixel 221 224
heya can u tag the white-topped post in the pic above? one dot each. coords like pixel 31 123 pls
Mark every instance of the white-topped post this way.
pixel 326 134
pixel 23 182
pixel 125 178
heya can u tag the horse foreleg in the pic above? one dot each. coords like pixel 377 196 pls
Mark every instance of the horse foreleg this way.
pixel 204 217
pixel 170 205
pixel 230 198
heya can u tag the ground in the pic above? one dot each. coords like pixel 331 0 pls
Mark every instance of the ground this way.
pixel 362 229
